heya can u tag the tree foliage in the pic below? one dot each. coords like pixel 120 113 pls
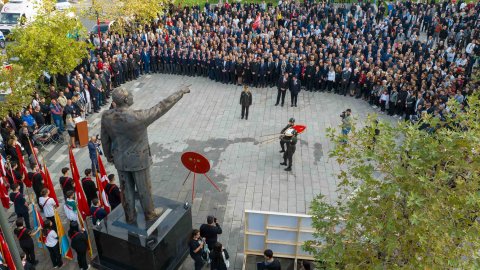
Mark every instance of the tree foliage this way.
pixel 17 86
pixel 128 13
pixel 408 197
pixel 53 42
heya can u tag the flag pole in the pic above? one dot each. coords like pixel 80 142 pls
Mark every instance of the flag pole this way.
pixel 9 238
pixel 41 232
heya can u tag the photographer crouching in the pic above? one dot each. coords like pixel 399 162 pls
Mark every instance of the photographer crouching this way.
pixel 346 123
pixel 93 150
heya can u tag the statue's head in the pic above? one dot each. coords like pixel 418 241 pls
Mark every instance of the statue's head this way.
pixel 122 97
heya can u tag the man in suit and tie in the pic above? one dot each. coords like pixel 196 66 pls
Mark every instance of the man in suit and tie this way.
pixel 255 72
pixel 262 73
pixel 273 67
pixel 282 87
pixel 225 69
pixel 130 151
pixel 294 90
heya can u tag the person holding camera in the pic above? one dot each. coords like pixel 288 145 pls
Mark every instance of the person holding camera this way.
pixel 210 231
pixel 93 150
pixel 346 121
pixel 196 249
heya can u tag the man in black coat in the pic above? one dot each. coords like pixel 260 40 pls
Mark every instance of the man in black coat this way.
pixel 231 71
pixel 210 231
pixel 270 72
pixel 255 72
pixel 262 76
pixel 282 87
pixel 89 186
pixel 116 72
pixel 245 101
pixel 38 116
pixel 79 243
pixel 294 90
pixel 130 67
pixel 310 76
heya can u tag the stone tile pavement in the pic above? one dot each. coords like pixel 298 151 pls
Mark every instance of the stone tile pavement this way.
pixel 207 120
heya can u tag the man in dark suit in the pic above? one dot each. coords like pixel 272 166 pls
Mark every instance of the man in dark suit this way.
pixel 270 72
pixel 130 151
pixel 282 87
pixel 245 101
pixel 294 90
pixel 310 74
pixel 262 73
pixel 255 72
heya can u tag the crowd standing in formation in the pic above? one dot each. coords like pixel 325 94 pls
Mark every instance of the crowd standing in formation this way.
pixel 406 58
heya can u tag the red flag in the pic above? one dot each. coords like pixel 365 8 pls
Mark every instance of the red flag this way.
pixel 3 188
pixel 49 183
pixel 6 255
pixel 3 172
pixel 102 195
pixel 103 172
pixel 82 203
pixel 4 194
pixel 257 22
pixel 23 168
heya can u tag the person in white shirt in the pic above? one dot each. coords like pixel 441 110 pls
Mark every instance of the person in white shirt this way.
pixel 330 79
pixel 470 47
pixel 70 206
pixel 48 205
pixel 384 99
pixel 51 241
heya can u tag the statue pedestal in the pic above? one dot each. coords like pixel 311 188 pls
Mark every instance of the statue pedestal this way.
pixel 158 244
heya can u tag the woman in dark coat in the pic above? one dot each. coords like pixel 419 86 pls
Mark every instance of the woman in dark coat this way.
pixel 219 262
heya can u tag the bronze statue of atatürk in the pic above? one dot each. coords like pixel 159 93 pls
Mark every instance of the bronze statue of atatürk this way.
pixel 125 143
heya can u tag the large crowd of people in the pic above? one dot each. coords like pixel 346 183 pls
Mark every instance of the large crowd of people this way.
pixel 406 58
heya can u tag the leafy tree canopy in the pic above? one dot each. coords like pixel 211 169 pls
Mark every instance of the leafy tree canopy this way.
pixel 128 13
pixel 54 42
pixel 408 196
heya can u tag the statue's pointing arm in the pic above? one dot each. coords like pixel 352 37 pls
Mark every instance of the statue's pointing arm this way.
pixel 152 114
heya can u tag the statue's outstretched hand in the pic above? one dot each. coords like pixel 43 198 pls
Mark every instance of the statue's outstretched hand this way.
pixel 185 88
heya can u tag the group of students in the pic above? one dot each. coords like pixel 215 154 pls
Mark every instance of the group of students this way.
pixel 47 205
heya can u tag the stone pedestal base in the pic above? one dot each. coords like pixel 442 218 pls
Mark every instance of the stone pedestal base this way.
pixel 158 244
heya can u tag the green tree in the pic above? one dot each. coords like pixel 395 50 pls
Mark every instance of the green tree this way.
pixel 54 42
pixel 17 87
pixel 407 198
pixel 128 14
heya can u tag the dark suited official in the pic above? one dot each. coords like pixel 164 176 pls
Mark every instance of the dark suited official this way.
pixel 290 140
pixel 245 101
pixel 282 87
pixel 294 90
pixel 290 124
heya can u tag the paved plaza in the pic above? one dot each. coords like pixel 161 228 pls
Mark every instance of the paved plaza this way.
pixel 247 170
